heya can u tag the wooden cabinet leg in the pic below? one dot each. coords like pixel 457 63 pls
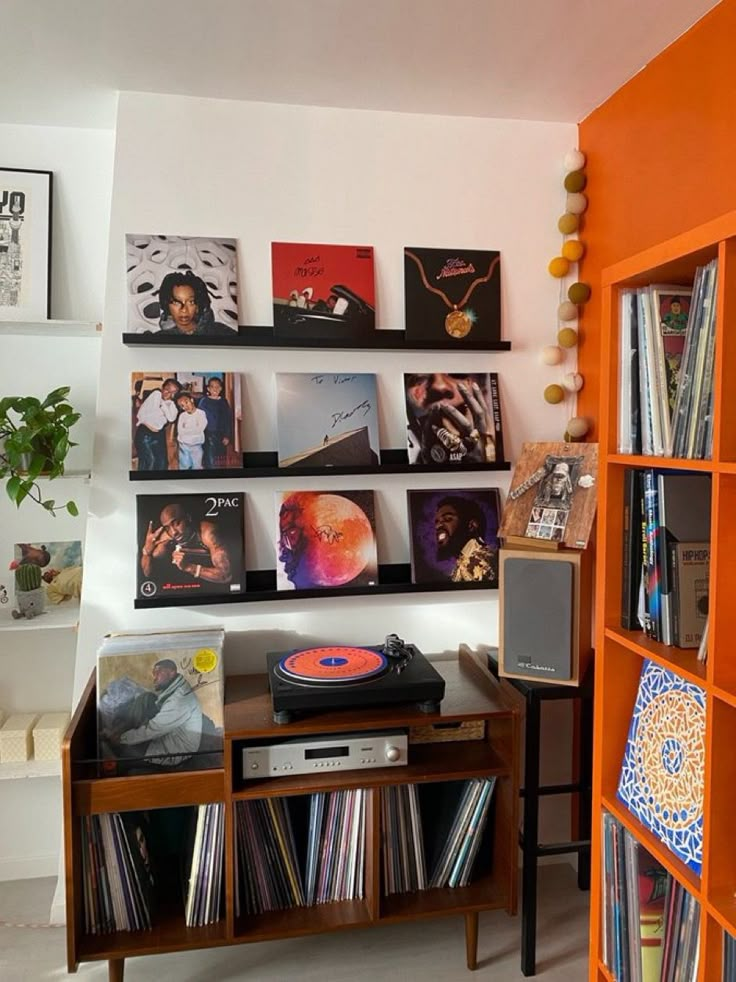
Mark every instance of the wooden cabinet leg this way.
pixel 471 940
pixel 116 969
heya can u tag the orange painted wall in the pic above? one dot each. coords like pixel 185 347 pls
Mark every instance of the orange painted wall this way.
pixel 661 159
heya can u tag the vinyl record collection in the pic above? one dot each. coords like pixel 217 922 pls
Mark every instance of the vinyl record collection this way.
pixel 455 864
pixel 650 922
pixel 204 889
pixel 404 865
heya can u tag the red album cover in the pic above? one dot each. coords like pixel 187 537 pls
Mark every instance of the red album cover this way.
pixel 322 289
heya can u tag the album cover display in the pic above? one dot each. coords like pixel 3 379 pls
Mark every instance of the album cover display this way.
pixel 327 420
pixel 325 539
pixel 553 494
pixel 453 419
pixel 190 544
pixel 185 420
pixel 61 568
pixel 452 295
pixel 160 698
pixel 182 285
pixel 454 535
pixel 320 289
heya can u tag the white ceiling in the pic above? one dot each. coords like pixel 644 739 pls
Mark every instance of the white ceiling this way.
pixel 63 60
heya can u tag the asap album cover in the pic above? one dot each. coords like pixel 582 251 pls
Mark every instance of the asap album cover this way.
pixel 325 539
pixel 185 420
pixel 190 544
pixel 322 289
pixel 454 535
pixel 453 419
pixel 327 420
pixel 182 285
pixel 452 296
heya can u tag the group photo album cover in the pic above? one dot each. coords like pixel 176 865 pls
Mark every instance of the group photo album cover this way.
pixel 185 421
pixel 160 699
pixel 454 535
pixel 182 285
pixel 190 543
pixel 319 289
pixel 453 419
pixel 325 539
pixel 452 295
pixel 327 420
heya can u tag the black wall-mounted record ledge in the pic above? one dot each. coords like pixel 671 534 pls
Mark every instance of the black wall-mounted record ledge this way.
pixel 266 464
pixel 264 337
pixel 260 586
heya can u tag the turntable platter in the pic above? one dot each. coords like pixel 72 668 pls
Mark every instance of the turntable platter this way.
pixel 332 665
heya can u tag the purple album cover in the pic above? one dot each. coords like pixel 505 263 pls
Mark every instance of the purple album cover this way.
pixel 454 535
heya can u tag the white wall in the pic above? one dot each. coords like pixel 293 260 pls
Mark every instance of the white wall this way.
pixel 261 172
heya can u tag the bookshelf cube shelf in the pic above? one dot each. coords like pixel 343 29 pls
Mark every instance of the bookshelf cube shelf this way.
pixel 621 653
pixel 472 695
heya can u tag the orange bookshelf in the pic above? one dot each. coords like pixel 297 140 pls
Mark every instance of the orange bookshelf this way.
pixel 620 653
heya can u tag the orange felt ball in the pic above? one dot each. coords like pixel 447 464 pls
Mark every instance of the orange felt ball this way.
pixel 568 223
pixel 554 394
pixel 573 250
pixel 559 267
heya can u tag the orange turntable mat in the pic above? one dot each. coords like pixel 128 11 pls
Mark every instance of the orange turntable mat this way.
pixel 337 663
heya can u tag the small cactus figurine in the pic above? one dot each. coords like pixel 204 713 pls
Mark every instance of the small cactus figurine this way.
pixel 29 594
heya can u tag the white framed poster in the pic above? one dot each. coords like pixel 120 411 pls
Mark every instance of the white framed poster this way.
pixel 25 244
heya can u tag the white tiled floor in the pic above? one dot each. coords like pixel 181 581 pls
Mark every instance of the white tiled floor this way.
pixel 425 951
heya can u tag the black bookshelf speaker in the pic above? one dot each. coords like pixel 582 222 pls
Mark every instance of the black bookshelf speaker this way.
pixel 545 615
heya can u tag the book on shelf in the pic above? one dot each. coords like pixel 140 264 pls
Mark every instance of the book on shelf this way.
pixel 327 420
pixel 662 772
pixel 160 701
pixel 453 419
pixel 185 421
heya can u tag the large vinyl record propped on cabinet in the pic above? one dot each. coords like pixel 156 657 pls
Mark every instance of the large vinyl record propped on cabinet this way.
pixel 545 615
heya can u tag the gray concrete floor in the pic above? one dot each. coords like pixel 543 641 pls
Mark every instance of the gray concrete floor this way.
pixel 425 951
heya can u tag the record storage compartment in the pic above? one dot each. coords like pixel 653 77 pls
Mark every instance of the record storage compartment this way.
pixel 472 695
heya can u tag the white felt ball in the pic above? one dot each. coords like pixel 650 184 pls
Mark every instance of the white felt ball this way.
pixel 573 381
pixel 578 426
pixel 551 355
pixel 574 160
pixel 567 311
pixel 576 203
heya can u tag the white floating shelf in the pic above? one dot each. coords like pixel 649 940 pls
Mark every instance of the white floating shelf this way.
pixel 30 768
pixel 55 328
pixel 53 618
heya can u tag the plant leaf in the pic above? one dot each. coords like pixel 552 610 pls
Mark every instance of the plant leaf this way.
pixel 12 487
pixel 48 504
pixel 72 508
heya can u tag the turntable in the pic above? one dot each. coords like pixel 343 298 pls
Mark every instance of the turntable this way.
pixel 342 676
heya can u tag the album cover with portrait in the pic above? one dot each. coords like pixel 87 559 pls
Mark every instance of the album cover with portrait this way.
pixel 182 285
pixel 325 539
pixel 454 535
pixel 160 699
pixel 452 297
pixel 327 420
pixel 672 309
pixel 553 494
pixel 322 290
pixel 61 571
pixel 185 421
pixel 190 544
pixel 453 419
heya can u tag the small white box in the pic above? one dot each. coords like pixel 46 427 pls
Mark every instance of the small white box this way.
pixel 47 735
pixel 15 738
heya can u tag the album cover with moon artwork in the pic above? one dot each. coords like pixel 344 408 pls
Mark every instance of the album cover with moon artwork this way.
pixel 327 420
pixel 326 539
pixel 452 297
pixel 454 535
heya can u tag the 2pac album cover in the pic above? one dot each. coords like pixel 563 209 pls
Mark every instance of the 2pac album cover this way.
pixel 323 290
pixel 454 535
pixel 185 421
pixel 325 539
pixel 453 419
pixel 190 544
pixel 182 285
pixel 452 296
pixel 327 420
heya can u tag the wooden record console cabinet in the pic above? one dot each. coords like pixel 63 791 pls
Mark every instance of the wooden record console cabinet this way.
pixel 472 694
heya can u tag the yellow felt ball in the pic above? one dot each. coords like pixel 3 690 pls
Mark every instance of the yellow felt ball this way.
pixel 554 394
pixel 579 293
pixel 559 267
pixel 576 203
pixel 567 337
pixel 575 181
pixel 573 250
pixel 568 223
pixel 567 311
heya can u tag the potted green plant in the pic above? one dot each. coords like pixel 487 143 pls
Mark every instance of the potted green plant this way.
pixel 34 441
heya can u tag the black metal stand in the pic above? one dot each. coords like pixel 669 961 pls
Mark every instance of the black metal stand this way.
pixel 534 694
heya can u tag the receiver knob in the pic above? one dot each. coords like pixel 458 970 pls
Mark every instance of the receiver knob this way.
pixel 393 753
